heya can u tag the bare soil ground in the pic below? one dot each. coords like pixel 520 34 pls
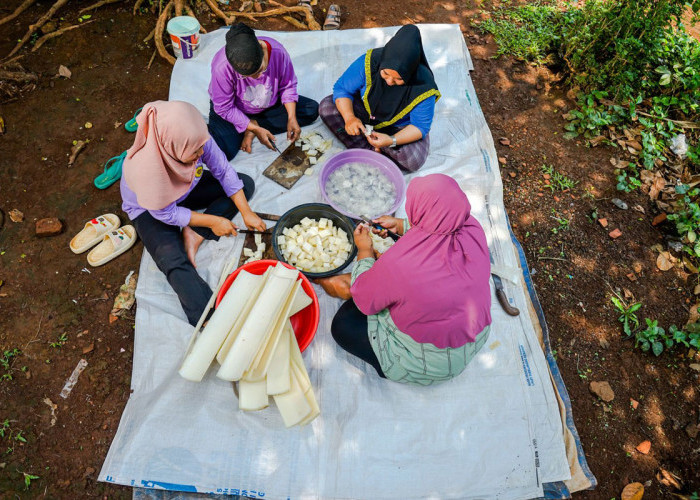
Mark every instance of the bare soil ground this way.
pixel 47 291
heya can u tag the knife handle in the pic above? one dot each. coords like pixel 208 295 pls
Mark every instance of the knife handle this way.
pixel 503 300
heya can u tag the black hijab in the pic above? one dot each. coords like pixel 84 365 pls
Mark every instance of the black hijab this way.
pixel 243 50
pixel 404 54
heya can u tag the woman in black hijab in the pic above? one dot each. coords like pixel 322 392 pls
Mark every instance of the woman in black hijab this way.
pixel 391 89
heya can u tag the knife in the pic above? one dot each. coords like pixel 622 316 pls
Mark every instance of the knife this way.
pixel 391 234
pixel 501 293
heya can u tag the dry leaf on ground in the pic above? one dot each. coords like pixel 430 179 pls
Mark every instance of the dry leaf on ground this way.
pixel 663 261
pixel 633 491
pixel 16 215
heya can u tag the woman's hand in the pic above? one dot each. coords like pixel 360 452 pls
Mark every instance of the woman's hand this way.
pixel 264 136
pixel 363 240
pixel 253 221
pixel 354 126
pixel 221 226
pixel 388 222
pixel 293 129
pixel 379 140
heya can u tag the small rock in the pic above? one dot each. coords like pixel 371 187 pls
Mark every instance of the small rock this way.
pixel 112 318
pixel 505 141
pixel 637 266
pixel 501 160
pixel 602 390
pixel 88 125
pixel 603 222
pixel 615 233
pixel 603 343
pixel 50 226
pixel 89 471
pixel 619 203
pixel 692 431
pixel 89 348
pixel 675 245
pixel 512 174
pixel 644 447
pixel 658 219
pixel 634 403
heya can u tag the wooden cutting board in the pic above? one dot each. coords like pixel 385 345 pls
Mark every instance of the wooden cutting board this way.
pixel 249 241
pixel 288 168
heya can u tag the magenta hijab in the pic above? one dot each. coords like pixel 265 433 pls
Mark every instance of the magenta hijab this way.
pixel 435 279
pixel 169 132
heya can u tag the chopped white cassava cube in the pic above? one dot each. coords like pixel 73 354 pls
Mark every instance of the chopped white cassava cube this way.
pixel 297 142
pixel 322 222
pixel 306 222
pixel 248 252
pixel 306 147
pixel 258 239
pixel 281 240
pixel 312 152
pixel 310 171
pixel 312 161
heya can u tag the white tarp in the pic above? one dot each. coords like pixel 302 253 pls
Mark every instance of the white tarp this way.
pixel 493 432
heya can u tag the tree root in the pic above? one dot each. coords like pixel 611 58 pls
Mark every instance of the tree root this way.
pixel 57 33
pixel 137 5
pixel 98 5
pixel 18 76
pixel 158 36
pixel 25 5
pixel 216 10
pixel 35 27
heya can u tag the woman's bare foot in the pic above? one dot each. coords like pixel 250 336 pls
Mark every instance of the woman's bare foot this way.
pixel 247 143
pixel 192 241
pixel 336 286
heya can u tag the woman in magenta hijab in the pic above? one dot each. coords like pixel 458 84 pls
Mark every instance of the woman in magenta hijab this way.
pixel 421 312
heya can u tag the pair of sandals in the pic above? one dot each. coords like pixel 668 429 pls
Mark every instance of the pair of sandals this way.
pixel 111 240
pixel 113 167
pixel 332 21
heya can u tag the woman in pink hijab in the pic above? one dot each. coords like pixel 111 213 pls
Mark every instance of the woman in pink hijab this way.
pixel 164 182
pixel 421 312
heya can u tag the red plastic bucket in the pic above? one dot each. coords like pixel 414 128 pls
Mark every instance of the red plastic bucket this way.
pixel 305 322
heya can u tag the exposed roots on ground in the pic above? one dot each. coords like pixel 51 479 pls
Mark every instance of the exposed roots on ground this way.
pixel 299 16
pixel 15 80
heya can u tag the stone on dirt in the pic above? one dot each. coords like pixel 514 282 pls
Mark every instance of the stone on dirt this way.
pixel 602 390
pixel 619 203
pixel 692 431
pixel 50 226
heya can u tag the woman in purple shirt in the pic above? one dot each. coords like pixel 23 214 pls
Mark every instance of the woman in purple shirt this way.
pixel 164 181
pixel 253 93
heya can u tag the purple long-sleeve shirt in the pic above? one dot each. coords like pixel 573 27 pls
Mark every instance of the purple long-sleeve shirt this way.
pixel 235 96
pixel 173 214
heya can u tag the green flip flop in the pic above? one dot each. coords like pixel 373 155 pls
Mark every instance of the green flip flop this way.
pixel 131 125
pixel 112 172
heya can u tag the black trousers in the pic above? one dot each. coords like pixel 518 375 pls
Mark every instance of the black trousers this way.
pixel 273 119
pixel 349 330
pixel 164 242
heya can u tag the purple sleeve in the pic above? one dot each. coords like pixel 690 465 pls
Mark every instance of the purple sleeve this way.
pixel 222 90
pixel 216 162
pixel 287 79
pixel 173 215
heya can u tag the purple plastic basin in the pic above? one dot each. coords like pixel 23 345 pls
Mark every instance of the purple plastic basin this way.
pixel 367 157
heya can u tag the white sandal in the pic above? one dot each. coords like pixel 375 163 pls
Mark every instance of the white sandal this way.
pixel 114 244
pixel 94 232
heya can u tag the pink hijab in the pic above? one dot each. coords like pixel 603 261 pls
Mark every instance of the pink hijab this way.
pixel 168 132
pixel 435 279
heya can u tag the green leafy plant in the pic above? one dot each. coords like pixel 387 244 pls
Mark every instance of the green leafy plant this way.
pixel 687 219
pixel 529 32
pixel 28 478
pixel 557 180
pixel 62 339
pixel 6 361
pixel 562 221
pixel 652 337
pixel 628 318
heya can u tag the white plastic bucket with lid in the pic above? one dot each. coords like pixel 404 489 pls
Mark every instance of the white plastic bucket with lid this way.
pixel 184 33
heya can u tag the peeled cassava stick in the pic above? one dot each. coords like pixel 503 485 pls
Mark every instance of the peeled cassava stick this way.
pixel 263 316
pixel 233 333
pixel 293 405
pixel 252 396
pixel 258 368
pixel 278 374
pixel 209 342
